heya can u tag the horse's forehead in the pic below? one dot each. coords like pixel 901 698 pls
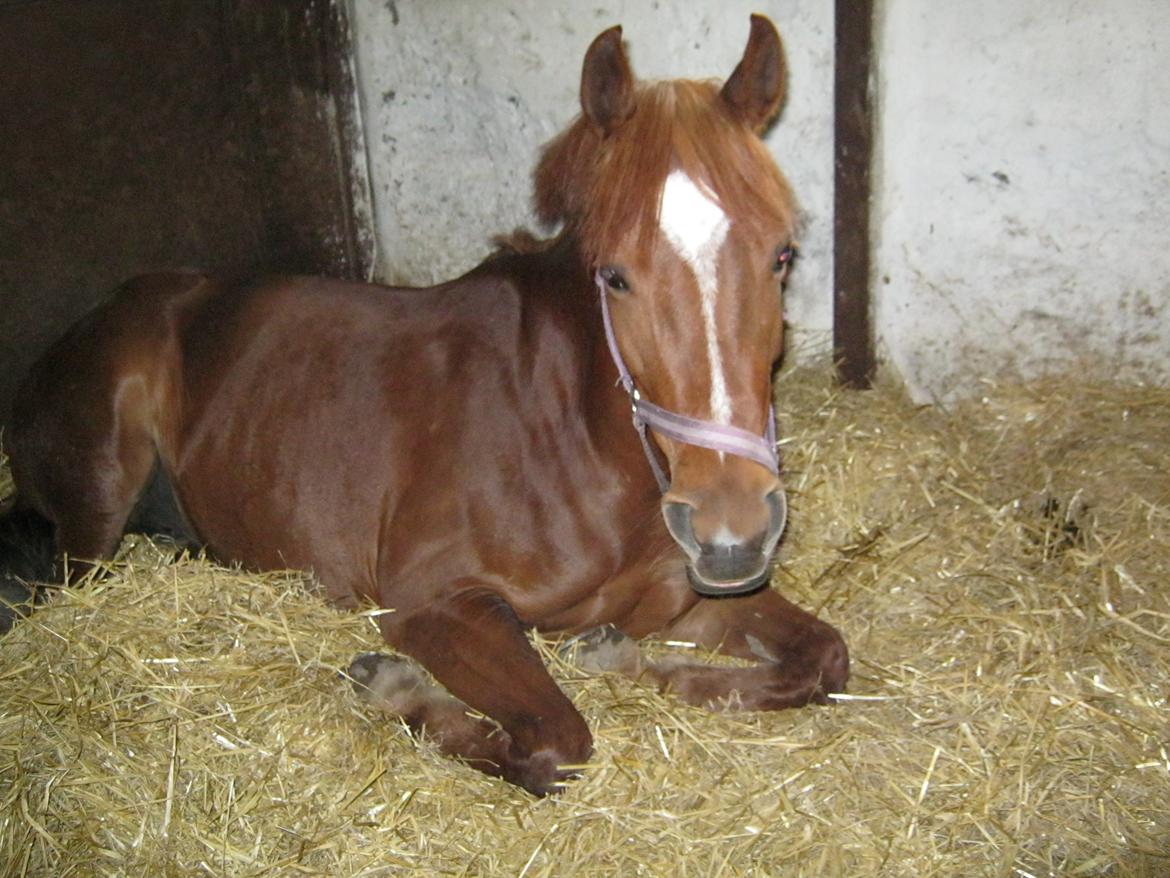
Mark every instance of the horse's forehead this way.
pixel 690 219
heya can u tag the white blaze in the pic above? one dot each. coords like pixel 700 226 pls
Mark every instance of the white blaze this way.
pixel 696 227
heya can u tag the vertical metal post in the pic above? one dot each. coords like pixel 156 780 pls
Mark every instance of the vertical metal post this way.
pixel 853 351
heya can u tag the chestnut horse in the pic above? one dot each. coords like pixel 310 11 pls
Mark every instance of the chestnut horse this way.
pixel 463 455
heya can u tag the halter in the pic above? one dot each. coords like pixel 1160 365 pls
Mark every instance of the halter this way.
pixel 688 430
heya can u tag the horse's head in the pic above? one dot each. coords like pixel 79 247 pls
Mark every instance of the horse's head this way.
pixel 688 226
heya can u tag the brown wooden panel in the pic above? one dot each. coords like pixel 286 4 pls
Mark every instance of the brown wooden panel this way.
pixel 293 58
pixel 175 133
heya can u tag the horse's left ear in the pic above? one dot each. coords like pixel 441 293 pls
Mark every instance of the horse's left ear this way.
pixel 756 86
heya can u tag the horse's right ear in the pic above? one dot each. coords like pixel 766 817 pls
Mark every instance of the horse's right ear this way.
pixel 607 82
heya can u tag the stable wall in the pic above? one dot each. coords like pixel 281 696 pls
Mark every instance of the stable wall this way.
pixel 1022 190
pixel 458 96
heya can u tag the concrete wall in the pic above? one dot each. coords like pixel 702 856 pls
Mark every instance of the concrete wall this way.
pixel 1024 189
pixel 459 95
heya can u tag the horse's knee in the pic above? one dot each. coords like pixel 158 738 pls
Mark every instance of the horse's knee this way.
pixel 561 750
pixel 834 660
pixel 576 746
pixel 824 659
pixel 806 672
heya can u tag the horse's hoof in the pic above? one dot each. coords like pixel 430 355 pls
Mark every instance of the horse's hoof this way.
pixel 392 683
pixel 603 649
pixel 363 669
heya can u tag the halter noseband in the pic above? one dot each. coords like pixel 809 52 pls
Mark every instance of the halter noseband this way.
pixel 691 431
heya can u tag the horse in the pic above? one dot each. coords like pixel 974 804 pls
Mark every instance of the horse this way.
pixel 575 436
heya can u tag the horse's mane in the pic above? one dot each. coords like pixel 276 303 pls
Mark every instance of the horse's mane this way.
pixel 602 187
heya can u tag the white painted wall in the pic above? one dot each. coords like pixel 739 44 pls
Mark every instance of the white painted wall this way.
pixel 1023 190
pixel 459 95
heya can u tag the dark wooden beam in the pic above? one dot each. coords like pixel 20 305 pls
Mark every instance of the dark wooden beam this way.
pixel 293 66
pixel 222 135
pixel 853 351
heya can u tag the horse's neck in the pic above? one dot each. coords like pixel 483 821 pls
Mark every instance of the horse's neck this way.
pixel 555 275
pixel 606 405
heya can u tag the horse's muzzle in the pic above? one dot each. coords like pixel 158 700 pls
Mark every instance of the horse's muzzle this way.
pixel 718 568
pixel 727 574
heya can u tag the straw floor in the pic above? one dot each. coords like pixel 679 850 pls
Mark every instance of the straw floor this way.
pixel 999 569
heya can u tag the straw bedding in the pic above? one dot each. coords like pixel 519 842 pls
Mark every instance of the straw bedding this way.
pixel 999 569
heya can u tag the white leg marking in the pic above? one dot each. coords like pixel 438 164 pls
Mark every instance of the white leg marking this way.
pixel 696 227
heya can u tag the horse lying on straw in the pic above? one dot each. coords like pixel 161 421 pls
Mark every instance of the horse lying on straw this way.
pixel 463 456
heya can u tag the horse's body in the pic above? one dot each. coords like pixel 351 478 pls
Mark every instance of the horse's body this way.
pixel 385 439
pixel 463 455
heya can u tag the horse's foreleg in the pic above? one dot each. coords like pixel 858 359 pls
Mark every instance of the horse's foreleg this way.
pixel 473 644
pixel 798 659
pixel 399 686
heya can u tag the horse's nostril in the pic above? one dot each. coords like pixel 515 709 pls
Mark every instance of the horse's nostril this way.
pixel 778 507
pixel 678 522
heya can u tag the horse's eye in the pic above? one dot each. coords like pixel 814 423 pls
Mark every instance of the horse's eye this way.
pixel 785 256
pixel 614 279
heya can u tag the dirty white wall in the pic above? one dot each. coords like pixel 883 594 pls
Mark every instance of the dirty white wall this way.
pixel 1023 189
pixel 459 95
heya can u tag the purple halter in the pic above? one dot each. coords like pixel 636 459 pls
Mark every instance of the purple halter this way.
pixel 691 431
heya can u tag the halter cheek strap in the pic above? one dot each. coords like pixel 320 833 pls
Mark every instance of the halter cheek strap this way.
pixel 688 430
